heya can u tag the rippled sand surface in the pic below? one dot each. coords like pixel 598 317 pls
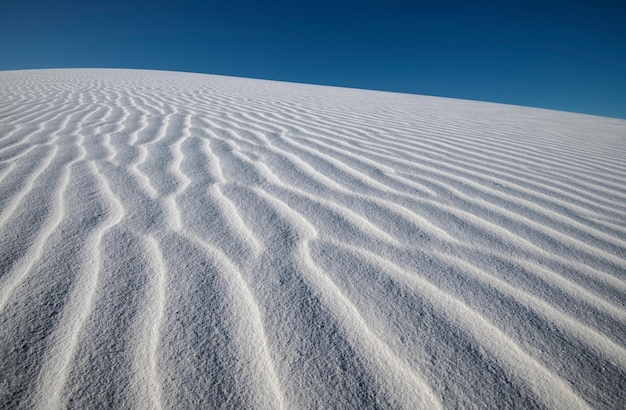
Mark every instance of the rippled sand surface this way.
pixel 173 240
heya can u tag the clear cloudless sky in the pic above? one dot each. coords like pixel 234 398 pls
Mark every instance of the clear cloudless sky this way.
pixel 568 55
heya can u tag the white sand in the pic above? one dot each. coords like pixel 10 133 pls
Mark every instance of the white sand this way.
pixel 172 240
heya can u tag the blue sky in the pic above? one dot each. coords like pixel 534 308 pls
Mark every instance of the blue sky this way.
pixel 568 56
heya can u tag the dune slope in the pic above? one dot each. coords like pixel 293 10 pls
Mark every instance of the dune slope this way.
pixel 172 240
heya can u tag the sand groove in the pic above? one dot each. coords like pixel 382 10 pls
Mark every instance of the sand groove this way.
pixel 172 240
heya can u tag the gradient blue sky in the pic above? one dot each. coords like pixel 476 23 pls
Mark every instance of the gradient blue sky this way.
pixel 562 55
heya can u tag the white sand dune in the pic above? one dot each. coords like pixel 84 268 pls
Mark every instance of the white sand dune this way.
pixel 173 240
